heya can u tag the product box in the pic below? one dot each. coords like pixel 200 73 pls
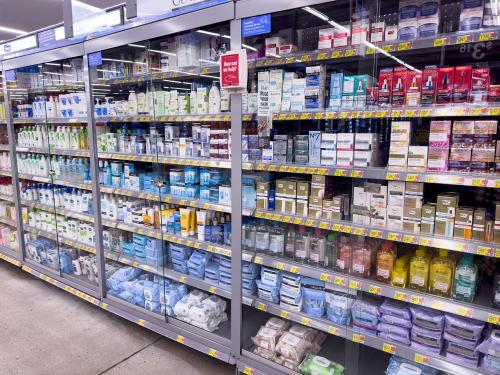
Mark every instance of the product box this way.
pixel 360 198
pixel 315 147
pixel 412 219
pixel 444 226
pixel 445 84
pixel 377 32
pixel 329 157
pixel 272 45
pixel 414 188
pixel 413 88
pixel 437 159
pixel 428 218
pixel 348 91
pixel 262 203
pixel 471 15
pixel 325 40
pixel 460 157
pixel 365 159
pixel 378 218
pixel 446 204
pixel 417 158
pixel 408 19
pixel 428 18
pixel 429 85
pixel 478 224
pixel 399 86
pixel 391 33
pixel 385 80
pixel 298 99
pixel 480 83
pixel 328 141
pixel 463 223
pixel 303 189
pixel 496 233
pixel 263 188
pixel 483 157
pixel 359 33
pixel 400 132
pixel 362 82
pixel 395 217
pixel 345 141
pixel 302 207
pixel 398 157
pixel 345 158
pixel 440 134
pixel 378 196
pixel 462 84
pixel 372 96
pixel 395 193
pixel 336 84
pixel 341 36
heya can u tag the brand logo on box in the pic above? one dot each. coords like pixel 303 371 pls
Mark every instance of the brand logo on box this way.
pixel 229 70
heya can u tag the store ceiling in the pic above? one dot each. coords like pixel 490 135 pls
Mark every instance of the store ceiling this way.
pixel 29 15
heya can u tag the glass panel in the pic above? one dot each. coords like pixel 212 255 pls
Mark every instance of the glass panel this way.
pixel 8 238
pixel 164 174
pixel 54 169
pixel 363 181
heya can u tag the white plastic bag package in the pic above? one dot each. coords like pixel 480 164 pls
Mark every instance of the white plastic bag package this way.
pixel 302 332
pixel 197 296
pixel 292 347
pixel 215 303
pixel 267 354
pixel 200 313
pixel 277 324
pixel 266 338
pixel 287 362
pixel 181 308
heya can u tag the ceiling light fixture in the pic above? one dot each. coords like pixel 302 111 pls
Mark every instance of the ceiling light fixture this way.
pixel 12 31
pixel 207 33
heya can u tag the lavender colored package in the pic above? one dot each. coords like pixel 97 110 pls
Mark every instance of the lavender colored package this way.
pixel 491 345
pixel 394 320
pixel 365 313
pixel 491 364
pixel 393 337
pixel 460 354
pixel 424 348
pixel 427 337
pixel 427 318
pixel 469 329
pixel 388 328
pixel 396 308
pixel 469 344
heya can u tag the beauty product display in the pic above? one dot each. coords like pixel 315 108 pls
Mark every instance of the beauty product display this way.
pixel 54 137
pixel 211 141
pixel 52 106
pixel 64 167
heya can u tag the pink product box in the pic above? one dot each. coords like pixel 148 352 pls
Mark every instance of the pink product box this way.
pixel 440 133
pixel 437 159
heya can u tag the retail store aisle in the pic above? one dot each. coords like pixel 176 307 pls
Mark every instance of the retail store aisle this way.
pixel 48 331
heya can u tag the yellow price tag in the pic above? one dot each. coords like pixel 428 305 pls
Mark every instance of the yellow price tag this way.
pixel 412 177
pixel 358 338
pixel 422 359
pixel 141 322
pixel 392 176
pixel 321 56
pixel 262 306
pixel 392 236
pixel 248 371
pixel 479 182
pixel 404 46
pixel 340 281
pixel 212 353
pixel 495 111
pixel 481 250
pixel 463 39
pixel 417 300
pixel 280 266
pixel 464 311
pixel 484 37
pixel 497 184
pixel 180 339
pixel 305 321
pixel 353 284
pixel 212 289
pixel 325 277
pixel 400 296
pixel 439 42
pixel 294 269
pixel 335 54
pixel 438 305
pixel 409 239
pixel 182 279
pixel 389 348
pixel 333 330
pixel 374 289
pixel 375 234
pixel 349 53
pixel 493 318
pixel 258 260
pixel 284 314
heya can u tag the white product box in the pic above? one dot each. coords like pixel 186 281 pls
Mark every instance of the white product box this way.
pixel 396 193
pixel 345 141
pixel 314 147
pixel 329 157
pixel 325 40
pixel 391 33
pixel 359 33
pixel 341 37
pixel 365 159
pixel 263 88
pixel 400 131
pixel 417 158
pixel 366 141
pixel 345 158
pixel 398 157
pixel 377 32
pixel 272 45
pixel 329 141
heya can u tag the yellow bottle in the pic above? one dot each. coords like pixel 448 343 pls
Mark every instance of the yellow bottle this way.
pixel 400 272
pixel 441 274
pixel 419 271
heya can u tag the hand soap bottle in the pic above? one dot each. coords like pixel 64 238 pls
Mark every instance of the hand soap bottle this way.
pixel 386 258
pixel 441 274
pixel 464 286
pixel 419 271
pixel 400 273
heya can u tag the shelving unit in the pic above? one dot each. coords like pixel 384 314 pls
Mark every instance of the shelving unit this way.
pixel 113 77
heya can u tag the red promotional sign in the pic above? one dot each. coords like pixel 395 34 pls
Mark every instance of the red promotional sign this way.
pixel 230 70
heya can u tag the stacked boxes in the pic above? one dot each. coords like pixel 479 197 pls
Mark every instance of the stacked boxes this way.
pixel 395 204
pixel 484 147
pixel 439 144
pixel 315 87
pixel 301 149
pixel 275 89
pixel 280 144
pixel 445 214
pixel 336 84
pixel 462 138
pixel 412 210
pixel 400 141
pixel 286 96
pixel 265 195
pixel 345 149
pixel 329 149
pixel 366 150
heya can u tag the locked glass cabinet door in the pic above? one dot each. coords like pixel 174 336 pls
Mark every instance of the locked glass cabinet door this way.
pixel 369 179
pixel 49 110
pixel 164 167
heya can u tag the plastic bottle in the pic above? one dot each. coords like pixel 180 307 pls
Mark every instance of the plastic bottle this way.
pixel 465 283
pixel 276 240
pixel 214 99
pixel 400 272
pixel 419 271
pixel 141 103
pixel 302 245
pixel 331 250
pixel 318 247
pixel 361 259
pixel 290 242
pixel 132 104
pixel 386 258
pixel 261 237
pixel 343 261
pixel 441 274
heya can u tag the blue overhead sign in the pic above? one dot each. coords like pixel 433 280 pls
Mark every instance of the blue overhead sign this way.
pixel 46 38
pixel 256 25
pixel 10 75
pixel 95 59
